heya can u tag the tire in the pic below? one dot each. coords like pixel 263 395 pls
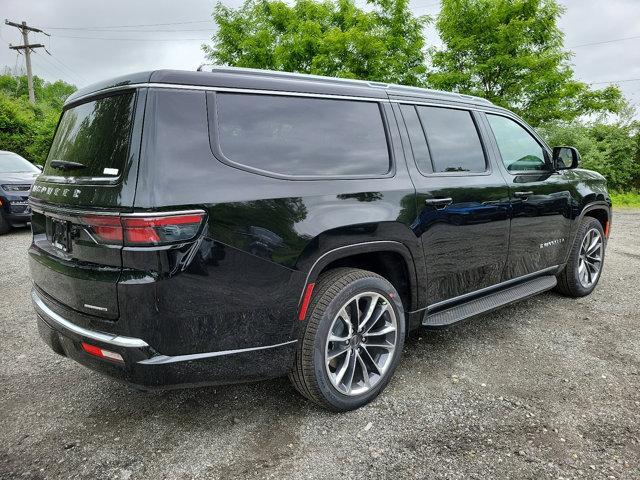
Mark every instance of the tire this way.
pixel 340 294
pixel 571 281
pixel 4 225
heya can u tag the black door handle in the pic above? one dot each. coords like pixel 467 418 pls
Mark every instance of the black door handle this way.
pixel 522 194
pixel 439 203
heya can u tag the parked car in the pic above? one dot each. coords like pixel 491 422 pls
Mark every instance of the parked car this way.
pixel 378 209
pixel 16 177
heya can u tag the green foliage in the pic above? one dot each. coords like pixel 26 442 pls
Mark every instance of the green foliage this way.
pixel 629 199
pixel 324 38
pixel 511 52
pixel 25 128
pixel 612 149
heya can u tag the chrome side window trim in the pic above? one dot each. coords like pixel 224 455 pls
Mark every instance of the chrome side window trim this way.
pixel 176 86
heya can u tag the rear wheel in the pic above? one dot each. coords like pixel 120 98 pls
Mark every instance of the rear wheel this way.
pixel 352 339
pixel 582 272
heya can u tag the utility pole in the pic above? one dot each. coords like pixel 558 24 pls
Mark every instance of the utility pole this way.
pixel 25 29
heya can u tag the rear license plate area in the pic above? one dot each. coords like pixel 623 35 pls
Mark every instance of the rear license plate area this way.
pixel 58 233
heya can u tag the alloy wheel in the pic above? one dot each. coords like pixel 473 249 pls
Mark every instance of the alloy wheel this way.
pixel 361 343
pixel 590 260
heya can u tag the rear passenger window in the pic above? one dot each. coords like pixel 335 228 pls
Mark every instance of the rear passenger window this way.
pixel 453 140
pixel 417 139
pixel 302 136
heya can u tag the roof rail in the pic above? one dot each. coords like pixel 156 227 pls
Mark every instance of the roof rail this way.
pixel 302 76
pixel 392 88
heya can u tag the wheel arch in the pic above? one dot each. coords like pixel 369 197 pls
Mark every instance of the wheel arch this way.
pixel 600 210
pixel 377 256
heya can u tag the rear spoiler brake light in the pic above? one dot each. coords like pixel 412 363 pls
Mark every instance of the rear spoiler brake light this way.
pixel 144 230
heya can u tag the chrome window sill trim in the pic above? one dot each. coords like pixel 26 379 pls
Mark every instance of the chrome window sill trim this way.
pixel 110 339
pixel 164 359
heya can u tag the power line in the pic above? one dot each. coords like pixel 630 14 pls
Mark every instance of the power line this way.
pixel 98 30
pixel 56 68
pixel 106 27
pixel 47 69
pixel 605 41
pixel 136 39
pixel 616 81
pixel 68 68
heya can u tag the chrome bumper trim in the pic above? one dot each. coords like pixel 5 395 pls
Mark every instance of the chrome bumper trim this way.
pixel 163 359
pixel 111 339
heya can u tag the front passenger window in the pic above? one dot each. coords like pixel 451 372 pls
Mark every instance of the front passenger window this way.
pixel 518 149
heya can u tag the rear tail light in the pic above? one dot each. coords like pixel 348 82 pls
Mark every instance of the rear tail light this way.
pixel 160 230
pixel 144 230
pixel 106 229
pixel 102 353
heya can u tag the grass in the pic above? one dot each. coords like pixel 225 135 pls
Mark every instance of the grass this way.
pixel 628 199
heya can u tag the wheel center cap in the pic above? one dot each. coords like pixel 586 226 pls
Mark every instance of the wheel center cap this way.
pixel 356 340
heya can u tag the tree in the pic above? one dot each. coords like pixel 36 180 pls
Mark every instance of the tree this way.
pixel 612 148
pixel 25 128
pixel 324 38
pixel 511 52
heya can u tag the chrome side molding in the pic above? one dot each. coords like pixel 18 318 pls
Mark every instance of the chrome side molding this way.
pixel 162 359
pixel 117 340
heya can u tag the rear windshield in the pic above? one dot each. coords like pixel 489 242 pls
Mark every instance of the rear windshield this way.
pixel 96 135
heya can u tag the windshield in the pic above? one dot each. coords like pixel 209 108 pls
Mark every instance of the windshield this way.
pixel 14 163
pixel 95 135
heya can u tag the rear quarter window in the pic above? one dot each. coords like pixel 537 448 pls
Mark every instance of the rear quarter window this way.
pixel 96 134
pixel 301 136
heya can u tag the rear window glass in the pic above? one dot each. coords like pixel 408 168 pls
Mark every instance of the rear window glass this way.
pixel 96 135
pixel 302 136
pixel 453 140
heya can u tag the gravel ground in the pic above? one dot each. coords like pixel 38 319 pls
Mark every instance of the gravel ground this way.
pixel 547 388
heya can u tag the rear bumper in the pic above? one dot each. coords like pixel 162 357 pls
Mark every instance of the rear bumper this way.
pixel 146 368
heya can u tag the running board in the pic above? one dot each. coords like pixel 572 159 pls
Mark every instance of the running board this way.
pixel 489 302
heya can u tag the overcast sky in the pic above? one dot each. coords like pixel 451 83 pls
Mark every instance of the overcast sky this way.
pixel 84 51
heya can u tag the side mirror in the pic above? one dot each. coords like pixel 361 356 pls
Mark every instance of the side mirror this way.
pixel 565 158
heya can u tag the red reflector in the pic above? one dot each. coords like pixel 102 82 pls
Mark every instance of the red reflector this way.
pixel 92 349
pixel 606 229
pixel 101 352
pixel 305 301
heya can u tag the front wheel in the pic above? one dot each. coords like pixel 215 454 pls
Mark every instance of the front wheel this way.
pixel 352 340
pixel 582 272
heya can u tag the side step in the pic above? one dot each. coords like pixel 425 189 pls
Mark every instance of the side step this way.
pixel 489 302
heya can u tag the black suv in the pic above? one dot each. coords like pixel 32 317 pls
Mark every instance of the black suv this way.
pixel 226 226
